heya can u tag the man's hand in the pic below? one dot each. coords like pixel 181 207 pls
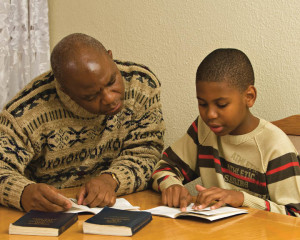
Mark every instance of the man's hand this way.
pixel 98 192
pixel 176 196
pixel 40 196
pixel 221 196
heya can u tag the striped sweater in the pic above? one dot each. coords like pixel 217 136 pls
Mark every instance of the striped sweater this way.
pixel 45 137
pixel 263 165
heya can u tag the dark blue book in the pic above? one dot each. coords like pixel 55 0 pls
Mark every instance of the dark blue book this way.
pixel 43 223
pixel 116 222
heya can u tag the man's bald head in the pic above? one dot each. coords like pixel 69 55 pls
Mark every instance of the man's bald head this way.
pixel 69 48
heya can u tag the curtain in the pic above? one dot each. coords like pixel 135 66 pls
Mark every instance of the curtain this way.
pixel 24 44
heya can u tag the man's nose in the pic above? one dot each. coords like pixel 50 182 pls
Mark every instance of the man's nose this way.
pixel 107 97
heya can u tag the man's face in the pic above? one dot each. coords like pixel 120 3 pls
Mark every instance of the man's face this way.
pixel 223 108
pixel 94 82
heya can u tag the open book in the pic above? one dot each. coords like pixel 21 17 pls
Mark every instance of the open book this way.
pixel 121 203
pixel 205 213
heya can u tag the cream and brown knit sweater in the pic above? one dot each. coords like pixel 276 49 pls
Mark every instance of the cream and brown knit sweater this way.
pixel 46 137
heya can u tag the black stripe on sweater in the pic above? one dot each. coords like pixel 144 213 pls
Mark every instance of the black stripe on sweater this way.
pixel 38 83
pixel 33 102
pixel 193 131
pixel 292 208
pixel 128 64
pixel 283 167
pixel 175 162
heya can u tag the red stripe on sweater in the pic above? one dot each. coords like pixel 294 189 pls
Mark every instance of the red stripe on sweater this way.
pixel 165 154
pixel 185 175
pixel 295 210
pixel 162 169
pixel 166 177
pixel 268 208
pixel 200 156
pixel 195 127
pixel 281 168
pixel 224 170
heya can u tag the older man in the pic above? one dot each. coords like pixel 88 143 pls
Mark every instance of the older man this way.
pixel 92 122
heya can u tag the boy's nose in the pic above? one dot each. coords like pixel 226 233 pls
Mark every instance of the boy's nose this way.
pixel 211 113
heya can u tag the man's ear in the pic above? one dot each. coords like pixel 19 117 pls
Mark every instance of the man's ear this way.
pixel 109 52
pixel 250 96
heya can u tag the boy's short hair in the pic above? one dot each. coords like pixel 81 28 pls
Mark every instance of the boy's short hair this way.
pixel 227 64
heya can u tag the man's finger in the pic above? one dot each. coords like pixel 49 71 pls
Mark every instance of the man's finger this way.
pixel 80 195
pixel 98 201
pixel 53 198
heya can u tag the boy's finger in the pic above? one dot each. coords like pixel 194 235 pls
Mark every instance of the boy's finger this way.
pixel 164 197
pixel 199 188
pixel 183 204
pixel 218 204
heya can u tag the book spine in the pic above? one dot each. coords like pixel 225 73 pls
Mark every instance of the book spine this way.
pixel 142 224
pixel 68 224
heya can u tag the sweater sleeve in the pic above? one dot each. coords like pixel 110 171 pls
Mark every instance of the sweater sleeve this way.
pixel 142 146
pixel 283 184
pixel 178 162
pixel 15 154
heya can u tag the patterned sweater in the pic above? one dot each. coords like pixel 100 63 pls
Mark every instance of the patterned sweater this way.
pixel 263 165
pixel 46 137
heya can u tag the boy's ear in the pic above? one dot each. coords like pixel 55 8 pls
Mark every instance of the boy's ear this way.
pixel 250 96
pixel 109 52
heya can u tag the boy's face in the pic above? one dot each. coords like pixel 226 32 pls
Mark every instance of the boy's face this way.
pixel 224 108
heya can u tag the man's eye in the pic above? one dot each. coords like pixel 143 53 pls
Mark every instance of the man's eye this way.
pixel 111 82
pixel 90 99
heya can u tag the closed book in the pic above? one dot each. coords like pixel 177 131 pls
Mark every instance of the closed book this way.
pixel 116 222
pixel 43 223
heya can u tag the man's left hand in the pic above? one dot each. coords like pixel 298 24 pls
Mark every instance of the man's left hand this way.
pixel 98 192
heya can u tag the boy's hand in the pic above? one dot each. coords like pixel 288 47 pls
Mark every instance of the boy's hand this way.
pixel 176 196
pixel 40 196
pixel 221 196
pixel 98 192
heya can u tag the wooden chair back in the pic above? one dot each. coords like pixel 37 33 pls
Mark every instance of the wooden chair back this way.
pixel 290 125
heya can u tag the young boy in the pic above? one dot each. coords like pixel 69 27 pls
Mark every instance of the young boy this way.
pixel 241 160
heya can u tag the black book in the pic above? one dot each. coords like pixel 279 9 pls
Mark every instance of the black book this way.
pixel 116 222
pixel 43 223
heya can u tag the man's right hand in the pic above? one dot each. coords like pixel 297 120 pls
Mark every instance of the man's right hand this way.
pixel 176 196
pixel 40 196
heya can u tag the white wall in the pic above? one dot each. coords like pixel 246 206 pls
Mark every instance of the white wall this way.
pixel 173 36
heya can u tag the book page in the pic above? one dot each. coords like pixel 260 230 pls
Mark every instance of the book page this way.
pixel 121 203
pixel 206 213
pixel 164 211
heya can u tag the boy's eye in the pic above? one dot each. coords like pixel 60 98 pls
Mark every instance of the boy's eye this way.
pixel 222 105
pixel 202 104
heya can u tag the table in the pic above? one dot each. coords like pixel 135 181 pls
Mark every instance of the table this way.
pixel 256 225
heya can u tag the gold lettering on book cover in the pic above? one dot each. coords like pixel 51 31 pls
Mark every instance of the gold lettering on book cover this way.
pixel 42 221
pixel 116 219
